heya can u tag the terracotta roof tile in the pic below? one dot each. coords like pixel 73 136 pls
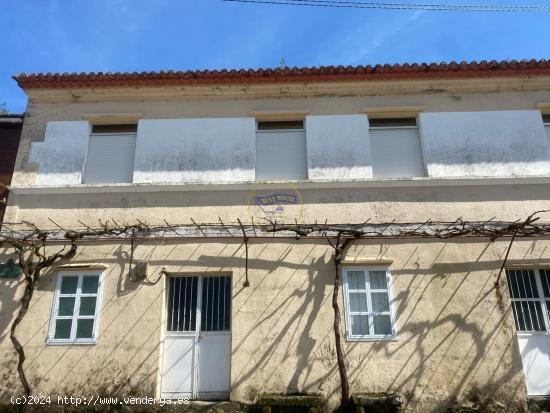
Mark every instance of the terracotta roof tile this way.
pixel 287 75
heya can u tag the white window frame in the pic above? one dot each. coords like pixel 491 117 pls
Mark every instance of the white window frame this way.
pixel 541 299
pixel 546 124
pixel 73 340
pixel 348 313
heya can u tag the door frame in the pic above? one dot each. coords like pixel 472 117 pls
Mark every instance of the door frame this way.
pixel 196 335
pixel 526 335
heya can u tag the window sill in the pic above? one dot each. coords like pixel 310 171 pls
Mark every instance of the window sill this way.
pixel 534 333
pixel 275 185
pixel 371 339
pixel 51 342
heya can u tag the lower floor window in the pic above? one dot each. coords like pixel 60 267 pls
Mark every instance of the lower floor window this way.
pixel 368 301
pixel 76 307
pixel 530 295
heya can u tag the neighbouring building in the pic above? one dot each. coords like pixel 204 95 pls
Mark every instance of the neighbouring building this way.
pixel 402 143
pixel 10 131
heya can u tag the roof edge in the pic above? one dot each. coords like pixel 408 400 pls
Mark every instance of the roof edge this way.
pixel 415 71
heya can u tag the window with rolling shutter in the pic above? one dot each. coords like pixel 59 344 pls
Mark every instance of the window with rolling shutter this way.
pixel 281 150
pixel 546 121
pixel 396 149
pixel 111 153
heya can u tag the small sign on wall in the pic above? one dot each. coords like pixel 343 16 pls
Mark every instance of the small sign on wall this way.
pixel 9 269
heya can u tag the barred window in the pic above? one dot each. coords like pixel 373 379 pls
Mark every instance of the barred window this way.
pixel 530 295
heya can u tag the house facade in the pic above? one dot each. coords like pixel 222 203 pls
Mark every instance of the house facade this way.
pixel 210 317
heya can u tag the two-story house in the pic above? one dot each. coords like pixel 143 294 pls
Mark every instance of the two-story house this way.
pixel 214 317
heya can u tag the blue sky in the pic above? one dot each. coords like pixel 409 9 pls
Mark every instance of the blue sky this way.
pixel 138 35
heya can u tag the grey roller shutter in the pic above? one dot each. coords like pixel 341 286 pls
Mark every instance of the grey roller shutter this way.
pixel 281 154
pixel 547 127
pixel 110 158
pixel 396 152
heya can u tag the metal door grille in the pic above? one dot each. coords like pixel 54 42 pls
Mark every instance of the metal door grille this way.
pixel 183 303
pixel 216 300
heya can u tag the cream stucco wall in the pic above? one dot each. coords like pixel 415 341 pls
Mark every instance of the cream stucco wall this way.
pixel 455 336
pixel 345 205
pixel 42 110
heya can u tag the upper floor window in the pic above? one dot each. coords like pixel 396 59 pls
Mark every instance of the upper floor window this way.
pixel 395 148
pixel 369 306
pixel 75 314
pixel 281 150
pixel 111 152
pixel 546 121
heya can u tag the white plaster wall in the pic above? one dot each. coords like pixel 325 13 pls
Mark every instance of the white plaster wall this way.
pixel 492 143
pixel 60 157
pixel 195 150
pixel 338 147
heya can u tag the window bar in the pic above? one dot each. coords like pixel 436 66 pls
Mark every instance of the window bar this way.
pixel 534 294
pixel 526 307
pixel 534 285
pixel 510 281
pixel 219 289
pixel 212 304
pixel 545 281
pixel 173 297
pixel 516 283
pixel 525 274
pixel 227 305
pixel 524 295
pixel 195 305
pixel 540 295
pixel 516 319
pixel 530 293
pixel 189 306
pixel 520 306
pixel 535 309
pixel 179 304
pixel 205 286
pixel 185 314
pixel 224 285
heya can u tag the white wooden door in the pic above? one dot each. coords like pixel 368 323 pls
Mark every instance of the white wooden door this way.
pixel 197 345
pixel 530 294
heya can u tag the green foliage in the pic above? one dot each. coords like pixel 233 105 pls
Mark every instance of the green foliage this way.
pixel 3 108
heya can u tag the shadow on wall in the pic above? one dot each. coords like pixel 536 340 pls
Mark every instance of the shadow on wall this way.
pixel 123 362
pixel 468 355
pixel 291 340
pixel 458 349
pixel 291 330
